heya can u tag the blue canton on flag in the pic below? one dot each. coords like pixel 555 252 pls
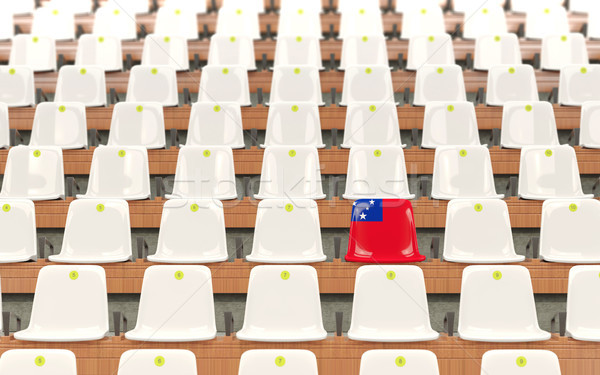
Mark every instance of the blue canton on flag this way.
pixel 367 210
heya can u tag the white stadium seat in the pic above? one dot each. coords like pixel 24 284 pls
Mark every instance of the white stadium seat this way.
pixel 166 50
pixel 4 126
pixel 18 230
pixel 390 305
pixel 34 173
pixel 290 173
pixel 299 21
pixel 520 361
pixel 479 231
pixel 278 361
pixel 283 305
pixel 233 20
pixel 7 25
pixel 77 299
pixel 17 86
pixel 559 51
pixel 439 83
pixel 449 124
pixel 589 136
pixel 507 83
pixel 84 219
pixel 38 361
pixel 368 50
pixel 491 50
pixel 377 172
pixel 102 51
pixel 75 6
pixel 174 21
pixel 422 19
pixel 157 362
pixel 528 124
pixel 296 84
pixel 183 222
pixel 388 361
pixel 577 217
pixel 546 20
pixel 35 52
pixel 364 83
pixel 232 50
pixel 497 305
pixel 576 84
pixel 216 124
pixel 298 50
pixel 137 124
pixel 131 7
pixel 198 7
pixel 548 172
pixel 224 84
pixel 59 124
pixel 176 305
pixel 361 21
pixel 111 21
pixel 18 7
pixel 287 231
pixel 463 172
pixel 119 172
pixel 371 124
pixel 489 19
pixel 85 84
pixel 583 306
pixel 205 172
pixel 429 49
pixel 153 84
pixel 58 24
pixel 291 123
pixel 523 6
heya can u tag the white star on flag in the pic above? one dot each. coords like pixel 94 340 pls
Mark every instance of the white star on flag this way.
pixel 354 204
pixel 363 216
pixel 372 202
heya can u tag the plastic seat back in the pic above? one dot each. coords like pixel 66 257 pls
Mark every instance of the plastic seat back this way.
pixel 182 222
pixel 439 83
pixel 308 5
pixel 370 50
pixel 175 21
pixel 137 124
pixel 390 305
pixel 219 83
pixel 387 361
pixel 278 361
pixel 198 7
pixel 299 20
pixel 34 173
pixel 492 50
pixel 367 84
pixel 18 230
pixel 38 361
pixel 238 20
pixel 119 172
pixel 449 124
pixel 589 135
pixel 85 84
pixel 111 20
pixel 153 84
pixel 293 124
pixel 576 84
pixel 7 24
pixel 70 304
pixel 521 361
pixel 463 172
pixel 374 239
pixel 523 6
pixel 290 172
pixel 568 232
pixel 4 126
pixel 344 6
pixel 527 124
pixel 429 49
pixel 361 21
pixel 298 50
pixel 296 84
pixel 58 24
pixel 16 86
pixel 84 219
pixel 371 124
pixel 176 304
pixel 59 124
pixel 542 21
pixel 559 51
pixel 132 7
pixel 583 305
pixel 497 305
pixel 216 124
pixel 486 20
pixel 232 50
pixel 422 19
pixel 103 51
pixel 594 23
pixel 255 6
pixel 158 362
pixel 287 231
pixel 166 50
pixel 377 172
pixel 468 6
pixel 36 52
pixel 205 172
pixel 507 83
pixel 549 172
pixel 18 7
pixel 479 231
pixel 283 305
pixel 582 6
pixel 75 6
